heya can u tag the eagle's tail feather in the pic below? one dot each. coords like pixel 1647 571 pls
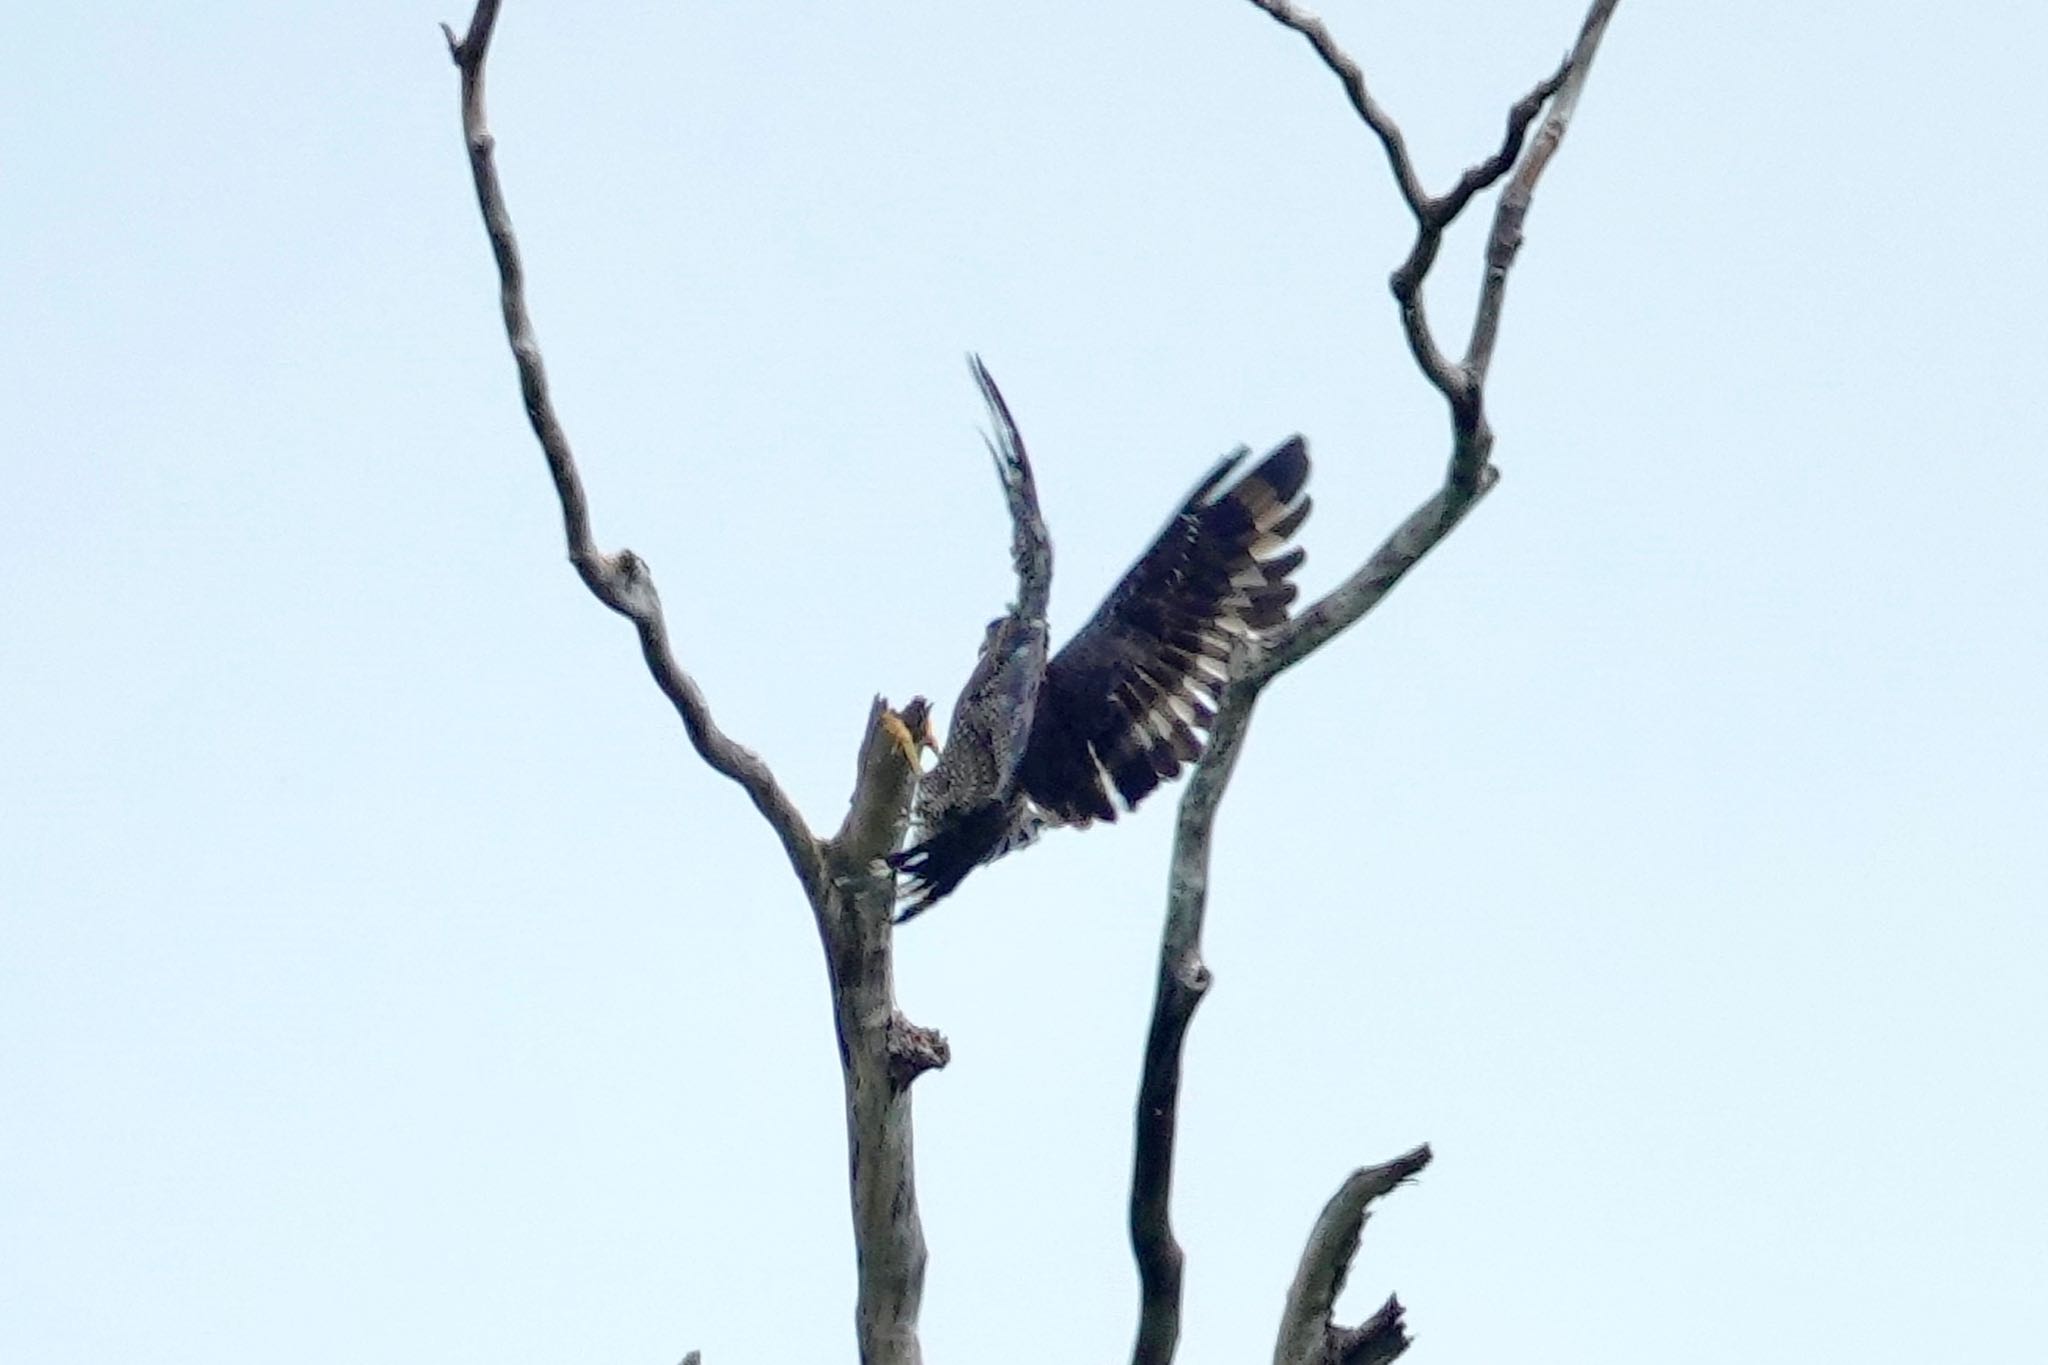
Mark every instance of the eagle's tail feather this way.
pixel 932 868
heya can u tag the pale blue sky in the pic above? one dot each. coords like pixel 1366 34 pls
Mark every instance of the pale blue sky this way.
pixel 383 979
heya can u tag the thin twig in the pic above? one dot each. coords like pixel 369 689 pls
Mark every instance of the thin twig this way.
pixel 1353 78
pixel 1429 213
pixel 622 581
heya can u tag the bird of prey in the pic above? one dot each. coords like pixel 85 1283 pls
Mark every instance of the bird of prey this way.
pixel 1126 702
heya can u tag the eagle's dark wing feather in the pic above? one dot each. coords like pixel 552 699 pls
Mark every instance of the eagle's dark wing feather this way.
pixel 1125 704
pixel 1030 542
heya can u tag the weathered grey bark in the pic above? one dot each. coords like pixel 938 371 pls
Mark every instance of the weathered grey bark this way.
pixel 880 1051
pixel 850 891
pixel 1307 1334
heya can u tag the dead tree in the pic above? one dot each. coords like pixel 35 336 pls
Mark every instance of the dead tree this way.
pixel 852 892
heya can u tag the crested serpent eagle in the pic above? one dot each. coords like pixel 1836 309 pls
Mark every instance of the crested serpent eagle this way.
pixel 1126 703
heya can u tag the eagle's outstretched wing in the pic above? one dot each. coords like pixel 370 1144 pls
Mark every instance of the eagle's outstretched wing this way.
pixel 1126 701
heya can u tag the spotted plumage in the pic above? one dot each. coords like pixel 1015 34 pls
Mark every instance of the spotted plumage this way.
pixel 1126 703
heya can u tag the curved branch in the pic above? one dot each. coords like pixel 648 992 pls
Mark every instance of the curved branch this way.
pixel 1376 118
pixel 1307 1334
pixel 622 581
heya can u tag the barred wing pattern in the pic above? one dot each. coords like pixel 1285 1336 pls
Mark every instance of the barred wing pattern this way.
pixel 1126 703
pixel 1129 700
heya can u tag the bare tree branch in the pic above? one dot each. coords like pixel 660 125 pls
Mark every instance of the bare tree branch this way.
pixel 1183 978
pixel 1506 237
pixel 1182 985
pixel 851 892
pixel 622 581
pixel 1307 1335
pixel 1382 124
pixel 1183 981
pixel 880 1052
pixel 1461 382
pixel 1337 610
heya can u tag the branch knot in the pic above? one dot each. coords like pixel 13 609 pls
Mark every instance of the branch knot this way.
pixel 914 1050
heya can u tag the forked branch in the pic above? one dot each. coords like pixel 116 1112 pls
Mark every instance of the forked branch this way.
pixel 1183 978
pixel 1462 382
